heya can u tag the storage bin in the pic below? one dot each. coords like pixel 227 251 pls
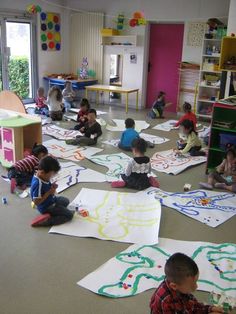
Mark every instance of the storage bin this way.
pixel 109 32
pixel 227 140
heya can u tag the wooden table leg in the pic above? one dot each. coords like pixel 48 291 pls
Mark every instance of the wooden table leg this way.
pixel 137 100
pixel 127 102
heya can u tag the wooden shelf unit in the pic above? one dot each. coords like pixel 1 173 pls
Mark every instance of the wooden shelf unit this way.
pixel 223 113
pixel 228 50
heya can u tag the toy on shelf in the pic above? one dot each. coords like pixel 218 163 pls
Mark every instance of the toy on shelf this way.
pixel 83 71
pixel 33 9
pixel 120 22
pixel 138 19
pixel 18 132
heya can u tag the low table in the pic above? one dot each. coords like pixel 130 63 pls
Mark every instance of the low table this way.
pixel 76 84
pixel 113 89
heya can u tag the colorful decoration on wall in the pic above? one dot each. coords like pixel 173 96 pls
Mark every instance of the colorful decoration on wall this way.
pixel 83 71
pixel 120 22
pixel 195 34
pixel 33 9
pixel 50 31
pixel 138 19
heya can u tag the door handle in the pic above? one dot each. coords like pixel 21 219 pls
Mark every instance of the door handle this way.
pixel 149 66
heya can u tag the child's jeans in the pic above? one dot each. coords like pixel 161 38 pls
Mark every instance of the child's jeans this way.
pixel 59 211
pixel 22 178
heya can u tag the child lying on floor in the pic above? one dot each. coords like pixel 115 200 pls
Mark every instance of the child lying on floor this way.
pixel 21 173
pixel 193 144
pixel 53 208
pixel 224 177
pixel 136 173
pixel 174 295
pixel 91 131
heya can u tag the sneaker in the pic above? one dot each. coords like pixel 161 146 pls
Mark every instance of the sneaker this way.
pixel 13 185
pixel 153 181
pixel 118 184
pixel 41 221
pixel 221 186
pixel 205 185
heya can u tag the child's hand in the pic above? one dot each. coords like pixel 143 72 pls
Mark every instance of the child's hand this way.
pixel 82 129
pixel 55 185
pixel 52 191
pixel 177 151
pixel 216 309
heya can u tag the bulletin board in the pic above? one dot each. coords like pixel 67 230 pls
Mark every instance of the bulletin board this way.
pixel 50 31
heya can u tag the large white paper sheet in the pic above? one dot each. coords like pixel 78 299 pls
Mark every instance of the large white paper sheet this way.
pixel 59 133
pixel 168 162
pixel 122 217
pixel 116 164
pixel 73 117
pixel 166 126
pixel 141 267
pixel 61 150
pixel 76 110
pixel 147 137
pixel 120 125
pixel 71 174
pixel 208 207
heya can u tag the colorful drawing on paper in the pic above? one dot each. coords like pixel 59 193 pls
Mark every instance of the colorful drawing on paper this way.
pixel 59 133
pixel 141 267
pixel 116 164
pixel 120 125
pixel 147 137
pixel 166 126
pixel 76 110
pixel 61 150
pixel 208 207
pixel 50 24
pixel 122 217
pixel 73 117
pixel 71 174
pixel 168 162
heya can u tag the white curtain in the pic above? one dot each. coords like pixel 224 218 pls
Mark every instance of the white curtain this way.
pixel 86 41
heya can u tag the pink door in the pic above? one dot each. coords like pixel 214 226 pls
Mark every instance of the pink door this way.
pixel 165 53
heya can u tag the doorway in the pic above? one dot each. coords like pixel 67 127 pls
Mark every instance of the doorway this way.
pixel 165 53
pixel 17 58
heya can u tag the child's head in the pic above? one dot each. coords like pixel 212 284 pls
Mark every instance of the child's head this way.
pixel 39 151
pixel 182 273
pixel 55 92
pixel 40 92
pixel 187 127
pixel 187 107
pixel 129 123
pixel 84 104
pixel 48 167
pixel 68 85
pixel 161 94
pixel 139 146
pixel 231 155
pixel 92 115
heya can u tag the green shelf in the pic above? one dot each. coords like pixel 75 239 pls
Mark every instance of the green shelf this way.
pixel 223 129
pixel 216 149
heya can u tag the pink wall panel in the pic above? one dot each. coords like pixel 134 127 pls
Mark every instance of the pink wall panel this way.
pixel 165 51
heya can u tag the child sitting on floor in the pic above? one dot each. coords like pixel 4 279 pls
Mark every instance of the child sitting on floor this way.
pixel 41 106
pixel 53 208
pixel 55 104
pixel 83 113
pixel 128 135
pixel 21 173
pixel 138 168
pixel 91 131
pixel 174 295
pixel 158 106
pixel 189 115
pixel 224 177
pixel 68 96
pixel 193 144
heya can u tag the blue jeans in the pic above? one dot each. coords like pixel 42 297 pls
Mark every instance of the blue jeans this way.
pixel 59 211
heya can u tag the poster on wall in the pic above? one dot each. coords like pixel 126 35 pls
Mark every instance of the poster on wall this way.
pixel 133 57
pixel 195 34
pixel 50 36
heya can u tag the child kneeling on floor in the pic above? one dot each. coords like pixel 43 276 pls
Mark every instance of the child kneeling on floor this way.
pixel 174 295
pixel 193 145
pixel 158 106
pixel 21 173
pixel 53 208
pixel 224 177
pixel 91 131
pixel 136 173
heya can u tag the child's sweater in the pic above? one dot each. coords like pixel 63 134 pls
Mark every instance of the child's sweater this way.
pixel 54 104
pixel 127 137
pixel 226 168
pixel 28 164
pixel 94 129
pixel 41 102
pixel 188 116
pixel 81 114
pixel 192 140
pixel 138 165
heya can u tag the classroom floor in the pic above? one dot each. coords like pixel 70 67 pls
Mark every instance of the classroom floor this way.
pixel 39 271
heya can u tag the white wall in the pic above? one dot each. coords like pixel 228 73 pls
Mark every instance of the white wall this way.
pixel 53 61
pixel 232 18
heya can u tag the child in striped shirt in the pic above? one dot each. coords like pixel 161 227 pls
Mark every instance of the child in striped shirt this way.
pixel 22 171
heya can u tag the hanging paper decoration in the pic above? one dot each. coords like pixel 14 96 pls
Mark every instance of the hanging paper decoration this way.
pixel 120 22
pixel 138 19
pixel 33 9
pixel 83 71
pixel 50 31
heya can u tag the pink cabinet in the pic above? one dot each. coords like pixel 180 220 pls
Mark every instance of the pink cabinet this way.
pixel 8 135
pixel 9 155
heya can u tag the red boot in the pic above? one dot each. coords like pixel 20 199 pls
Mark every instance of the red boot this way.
pixel 118 184
pixel 40 221
pixel 153 181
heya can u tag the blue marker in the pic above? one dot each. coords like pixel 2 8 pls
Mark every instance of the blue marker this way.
pixel 4 200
